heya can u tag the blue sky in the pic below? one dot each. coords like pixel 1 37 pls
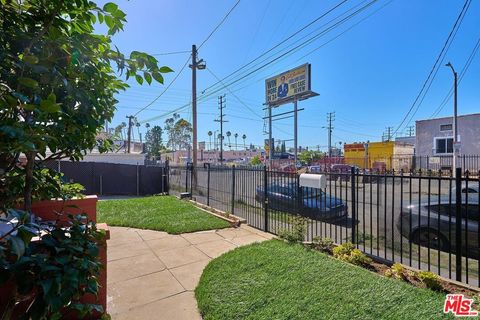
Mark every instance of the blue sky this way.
pixel 369 75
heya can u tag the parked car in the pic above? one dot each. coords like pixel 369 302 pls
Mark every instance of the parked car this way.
pixel 433 225
pixel 308 202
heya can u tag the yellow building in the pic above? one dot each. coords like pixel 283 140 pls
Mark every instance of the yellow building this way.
pixel 385 155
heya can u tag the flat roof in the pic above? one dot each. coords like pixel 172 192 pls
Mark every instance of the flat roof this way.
pixel 459 116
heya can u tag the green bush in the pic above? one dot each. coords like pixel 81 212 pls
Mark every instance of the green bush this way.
pixel 430 280
pixel 397 271
pixel 323 244
pixel 297 231
pixel 348 253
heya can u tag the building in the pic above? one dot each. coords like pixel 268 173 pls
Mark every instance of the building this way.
pixel 212 156
pixel 385 155
pixel 434 137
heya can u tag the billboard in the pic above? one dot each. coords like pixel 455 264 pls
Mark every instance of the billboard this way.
pixel 284 87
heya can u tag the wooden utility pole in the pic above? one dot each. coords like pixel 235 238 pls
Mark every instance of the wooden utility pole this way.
pixel 330 119
pixel 221 106
pixel 129 133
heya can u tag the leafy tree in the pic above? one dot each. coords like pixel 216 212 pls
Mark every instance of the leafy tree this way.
pixel 154 142
pixel 255 161
pixel 58 79
pixel 179 133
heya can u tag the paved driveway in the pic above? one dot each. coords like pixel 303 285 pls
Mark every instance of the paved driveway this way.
pixel 152 274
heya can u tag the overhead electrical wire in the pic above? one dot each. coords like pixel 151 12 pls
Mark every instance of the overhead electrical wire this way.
pixel 462 74
pixel 296 48
pixel 186 63
pixel 166 89
pixel 279 43
pixel 424 89
pixel 169 53
pixel 219 24
pixel 204 97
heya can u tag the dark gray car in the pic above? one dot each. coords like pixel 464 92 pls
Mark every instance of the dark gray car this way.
pixel 433 225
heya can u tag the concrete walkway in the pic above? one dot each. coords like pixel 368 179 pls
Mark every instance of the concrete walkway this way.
pixel 152 275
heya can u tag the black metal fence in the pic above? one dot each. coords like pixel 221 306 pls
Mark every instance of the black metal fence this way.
pixel 114 179
pixel 428 221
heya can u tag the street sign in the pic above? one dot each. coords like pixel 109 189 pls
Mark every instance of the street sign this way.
pixel 288 86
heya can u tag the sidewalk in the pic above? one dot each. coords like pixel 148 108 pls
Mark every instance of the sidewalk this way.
pixel 152 275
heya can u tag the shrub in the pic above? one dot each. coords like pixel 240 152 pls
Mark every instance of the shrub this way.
pixel 430 280
pixel 323 244
pixel 397 271
pixel 297 231
pixel 348 253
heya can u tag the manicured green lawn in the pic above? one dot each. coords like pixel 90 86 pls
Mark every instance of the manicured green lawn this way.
pixel 165 213
pixel 274 280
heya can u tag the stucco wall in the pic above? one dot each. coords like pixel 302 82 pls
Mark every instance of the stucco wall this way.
pixel 468 130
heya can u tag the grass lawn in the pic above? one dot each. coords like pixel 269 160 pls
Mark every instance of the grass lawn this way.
pixel 274 280
pixel 165 213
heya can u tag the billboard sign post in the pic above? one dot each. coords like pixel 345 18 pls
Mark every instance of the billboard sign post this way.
pixel 291 86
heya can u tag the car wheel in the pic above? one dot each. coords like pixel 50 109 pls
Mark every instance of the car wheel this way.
pixel 430 237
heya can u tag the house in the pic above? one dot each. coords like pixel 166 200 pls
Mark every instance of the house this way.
pixel 435 136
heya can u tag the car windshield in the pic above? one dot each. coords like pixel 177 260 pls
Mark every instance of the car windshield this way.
pixel 291 190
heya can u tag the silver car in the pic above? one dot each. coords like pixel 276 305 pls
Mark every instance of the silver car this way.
pixel 433 225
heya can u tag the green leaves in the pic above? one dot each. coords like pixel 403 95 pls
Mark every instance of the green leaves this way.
pixel 157 76
pixel 147 77
pixel 139 79
pixel 17 246
pixel 110 7
pixel 28 82
pixel 31 59
pixel 49 105
pixel 165 69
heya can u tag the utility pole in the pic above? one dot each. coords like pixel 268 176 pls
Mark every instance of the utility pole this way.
pixel 411 131
pixel 456 143
pixel 129 133
pixel 200 65
pixel 388 134
pixel 221 106
pixel 330 119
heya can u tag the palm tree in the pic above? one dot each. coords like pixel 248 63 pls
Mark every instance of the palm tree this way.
pixel 210 138
pixel 228 136
pixel 236 136
pixel 244 137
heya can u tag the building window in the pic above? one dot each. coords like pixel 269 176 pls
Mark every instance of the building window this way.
pixel 446 127
pixel 443 145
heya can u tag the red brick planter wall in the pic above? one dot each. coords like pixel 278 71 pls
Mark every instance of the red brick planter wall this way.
pixel 49 210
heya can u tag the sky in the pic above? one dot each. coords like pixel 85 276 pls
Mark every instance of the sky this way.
pixel 368 70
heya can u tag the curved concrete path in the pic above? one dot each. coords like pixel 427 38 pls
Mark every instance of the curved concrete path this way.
pixel 152 274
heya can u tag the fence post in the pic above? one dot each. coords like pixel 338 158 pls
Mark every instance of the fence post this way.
pixel 458 223
pixel 166 171
pixel 138 181
pixel 233 190
pixel 265 198
pixel 186 178
pixel 101 185
pixel 191 179
pixel 354 202
pixel 207 165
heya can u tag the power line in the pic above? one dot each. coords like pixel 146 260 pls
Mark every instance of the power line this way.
pixel 435 66
pixel 279 43
pixel 296 48
pixel 462 74
pixel 166 89
pixel 219 24
pixel 169 53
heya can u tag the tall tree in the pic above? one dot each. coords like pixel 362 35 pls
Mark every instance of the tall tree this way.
pixel 53 65
pixel 154 142
pixel 179 133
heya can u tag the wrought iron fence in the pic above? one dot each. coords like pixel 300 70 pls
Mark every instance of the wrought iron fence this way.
pixel 428 221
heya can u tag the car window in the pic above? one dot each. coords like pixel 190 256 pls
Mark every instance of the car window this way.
pixel 471 211
pixel 443 209
pixel 469 190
